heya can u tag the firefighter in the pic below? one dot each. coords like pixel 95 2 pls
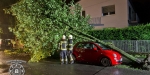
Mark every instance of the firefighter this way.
pixel 63 50
pixel 70 49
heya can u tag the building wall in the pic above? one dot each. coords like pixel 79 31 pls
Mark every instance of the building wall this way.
pixel 94 9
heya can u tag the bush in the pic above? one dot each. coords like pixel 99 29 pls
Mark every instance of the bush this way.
pixel 140 32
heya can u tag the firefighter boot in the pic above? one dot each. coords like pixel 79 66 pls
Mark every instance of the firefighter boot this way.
pixel 72 62
pixel 62 61
pixel 66 60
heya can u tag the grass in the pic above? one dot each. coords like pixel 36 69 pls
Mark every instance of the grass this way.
pixel 138 55
pixel 131 65
pixel 127 67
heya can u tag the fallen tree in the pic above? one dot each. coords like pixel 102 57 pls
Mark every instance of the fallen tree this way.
pixel 128 56
pixel 40 24
pixel 141 64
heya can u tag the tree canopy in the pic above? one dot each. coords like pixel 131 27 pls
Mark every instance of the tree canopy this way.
pixel 40 24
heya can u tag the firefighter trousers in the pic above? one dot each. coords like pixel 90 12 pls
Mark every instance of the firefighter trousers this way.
pixel 70 56
pixel 63 56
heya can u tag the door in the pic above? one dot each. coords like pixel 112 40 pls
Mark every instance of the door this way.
pixel 90 54
pixel 79 51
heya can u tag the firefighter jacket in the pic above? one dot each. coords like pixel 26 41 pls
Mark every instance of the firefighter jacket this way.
pixel 63 44
pixel 70 44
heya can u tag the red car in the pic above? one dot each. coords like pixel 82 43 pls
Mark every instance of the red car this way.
pixel 96 53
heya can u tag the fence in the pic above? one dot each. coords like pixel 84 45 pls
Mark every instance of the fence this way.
pixel 140 46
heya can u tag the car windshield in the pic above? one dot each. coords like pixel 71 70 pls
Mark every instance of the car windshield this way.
pixel 103 46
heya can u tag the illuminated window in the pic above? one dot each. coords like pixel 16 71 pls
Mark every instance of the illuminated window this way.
pixel 108 10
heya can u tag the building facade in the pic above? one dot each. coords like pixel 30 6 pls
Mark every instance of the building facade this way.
pixel 109 13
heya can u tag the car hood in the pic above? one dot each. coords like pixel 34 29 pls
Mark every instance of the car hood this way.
pixel 110 51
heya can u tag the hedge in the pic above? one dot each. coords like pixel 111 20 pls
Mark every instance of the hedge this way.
pixel 139 32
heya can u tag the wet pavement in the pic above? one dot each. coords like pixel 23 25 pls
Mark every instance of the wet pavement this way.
pixel 53 67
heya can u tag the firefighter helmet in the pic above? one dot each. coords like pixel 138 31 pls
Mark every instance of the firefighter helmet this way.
pixel 64 37
pixel 70 36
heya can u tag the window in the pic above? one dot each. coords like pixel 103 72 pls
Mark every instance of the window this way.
pixel 129 12
pixel 108 10
pixel 89 46
pixel 83 13
pixel 81 45
pixel 132 15
pixel 103 46
pixel 86 45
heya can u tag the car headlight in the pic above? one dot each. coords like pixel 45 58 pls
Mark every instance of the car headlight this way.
pixel 115 55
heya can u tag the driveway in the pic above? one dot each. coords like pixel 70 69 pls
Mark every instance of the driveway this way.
pixel 53 67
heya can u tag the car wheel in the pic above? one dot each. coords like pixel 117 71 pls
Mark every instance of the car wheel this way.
pixel 105 62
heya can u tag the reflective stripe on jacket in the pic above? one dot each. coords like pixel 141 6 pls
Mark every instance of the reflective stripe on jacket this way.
pixel 70 44
pixel 63 45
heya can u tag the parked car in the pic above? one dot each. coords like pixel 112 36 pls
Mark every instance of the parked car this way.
pixel 93 52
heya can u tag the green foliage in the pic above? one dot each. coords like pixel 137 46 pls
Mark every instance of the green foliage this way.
pixel 9 52
pixel 41 24
pixel 127 67
pixel 1 31
pixel 16 51
pixel 140 32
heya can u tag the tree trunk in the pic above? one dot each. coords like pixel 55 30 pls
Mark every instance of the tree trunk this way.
pixel 128 56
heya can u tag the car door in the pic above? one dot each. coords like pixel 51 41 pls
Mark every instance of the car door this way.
pixel 79 51
pixel 90 54
pixel 83 51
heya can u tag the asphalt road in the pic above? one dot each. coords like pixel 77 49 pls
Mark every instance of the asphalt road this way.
pixel 53 67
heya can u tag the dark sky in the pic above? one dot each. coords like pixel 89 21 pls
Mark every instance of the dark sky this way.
pixel 142 7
